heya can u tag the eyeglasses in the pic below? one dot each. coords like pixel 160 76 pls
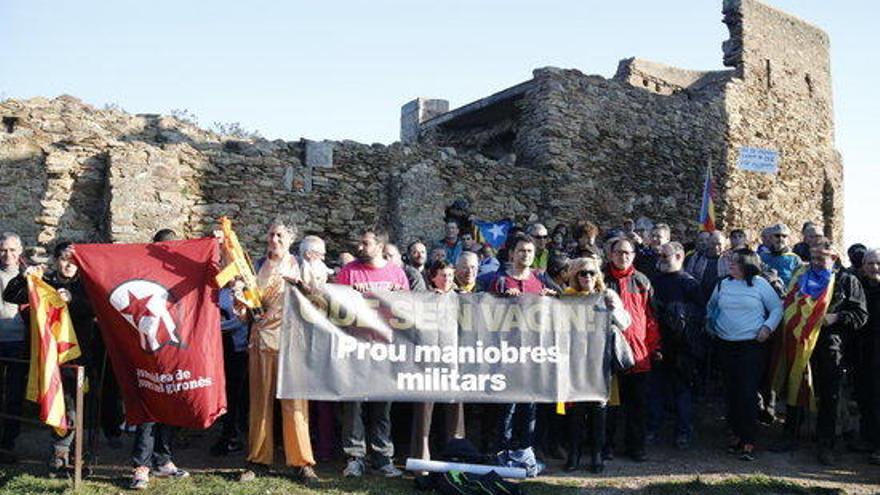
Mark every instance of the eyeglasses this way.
pixel 539 236
pixel 629 253
pixel 587 273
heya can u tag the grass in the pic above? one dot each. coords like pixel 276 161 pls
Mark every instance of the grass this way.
pixel 23 483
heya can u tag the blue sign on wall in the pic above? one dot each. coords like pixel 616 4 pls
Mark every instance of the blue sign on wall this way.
pixel 762 160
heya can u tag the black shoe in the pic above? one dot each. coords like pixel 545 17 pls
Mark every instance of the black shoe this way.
pixel 572 464
pixel 225 447
pixel 766 417
pixel 638 456
pixel 597 465
pixel 608 453
pixel 874 458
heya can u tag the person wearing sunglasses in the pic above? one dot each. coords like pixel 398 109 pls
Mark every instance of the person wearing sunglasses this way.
pixel 542 255
pixel 643 337
pixel 584 279
pixel 778 254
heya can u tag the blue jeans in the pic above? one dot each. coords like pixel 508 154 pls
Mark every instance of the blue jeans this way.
pixel 518 425
pixel 665 386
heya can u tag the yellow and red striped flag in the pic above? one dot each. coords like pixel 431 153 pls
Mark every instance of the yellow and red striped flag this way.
pixel 804 316
pixel 53 342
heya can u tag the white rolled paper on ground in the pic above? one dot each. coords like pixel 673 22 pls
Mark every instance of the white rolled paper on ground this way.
pixel 442 467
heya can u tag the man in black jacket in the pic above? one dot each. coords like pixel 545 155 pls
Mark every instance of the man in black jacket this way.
pixel 846 314
pixel 679 308
pixel 867 358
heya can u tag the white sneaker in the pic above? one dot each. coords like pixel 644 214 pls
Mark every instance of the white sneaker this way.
pixel 169 470
pixel 389 471
pixel 354 468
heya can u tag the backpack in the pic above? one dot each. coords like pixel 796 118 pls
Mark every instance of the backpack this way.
pixel 460 483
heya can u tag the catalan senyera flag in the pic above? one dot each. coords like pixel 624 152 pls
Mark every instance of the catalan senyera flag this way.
pixel 804 316
pixel 707 207
pixel 53 343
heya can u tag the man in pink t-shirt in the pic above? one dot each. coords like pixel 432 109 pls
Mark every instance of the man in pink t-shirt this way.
pixel 370 272
pixel 518 420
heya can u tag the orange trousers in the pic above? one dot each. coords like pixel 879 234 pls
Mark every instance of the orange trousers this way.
pixel 263 370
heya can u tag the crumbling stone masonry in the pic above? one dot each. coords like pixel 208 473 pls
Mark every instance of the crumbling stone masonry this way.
pixel 559 147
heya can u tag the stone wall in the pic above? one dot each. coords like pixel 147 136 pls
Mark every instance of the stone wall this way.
pixel 782 101
pixel 610 150
pixel 105 176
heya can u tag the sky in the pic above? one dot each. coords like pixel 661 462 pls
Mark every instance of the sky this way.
pixel 342 69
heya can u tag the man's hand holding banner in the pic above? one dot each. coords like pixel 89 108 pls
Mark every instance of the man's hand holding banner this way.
pixel 452 347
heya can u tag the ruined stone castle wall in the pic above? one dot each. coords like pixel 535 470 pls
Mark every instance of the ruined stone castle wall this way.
pixel 783 102
pixel 83 174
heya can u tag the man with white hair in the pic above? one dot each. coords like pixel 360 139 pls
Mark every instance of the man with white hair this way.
pixel 466 272
pixel 312 251
pixel 542 255
pixel 12 346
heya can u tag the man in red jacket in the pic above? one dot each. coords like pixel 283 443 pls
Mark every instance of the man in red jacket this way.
pixel 643 336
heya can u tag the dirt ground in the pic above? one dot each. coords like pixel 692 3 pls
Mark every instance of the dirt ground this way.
pixel 706 459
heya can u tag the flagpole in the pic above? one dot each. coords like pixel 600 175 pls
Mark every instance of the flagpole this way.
pixel 78 429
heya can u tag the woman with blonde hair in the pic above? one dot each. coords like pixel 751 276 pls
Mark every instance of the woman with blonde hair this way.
pixel 584 279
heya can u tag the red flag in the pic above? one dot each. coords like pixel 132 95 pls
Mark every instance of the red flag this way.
pixel 157 308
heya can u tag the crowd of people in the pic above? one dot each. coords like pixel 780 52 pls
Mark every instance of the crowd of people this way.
pixel 787 329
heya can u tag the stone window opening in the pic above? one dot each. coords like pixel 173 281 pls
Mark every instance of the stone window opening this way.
pixel 768 73
pixel 809 81
pixel 9 123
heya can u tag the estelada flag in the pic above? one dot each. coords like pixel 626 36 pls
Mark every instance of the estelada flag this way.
pixel 707 205
pixel 790 367
pixel 53 342
pixel 157 308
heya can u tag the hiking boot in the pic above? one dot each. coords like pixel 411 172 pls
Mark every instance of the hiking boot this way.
pixel 354 468
pixel 826 456
pixel 389 471
pixel 140 479
pixel 306 475
pixel 169 470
